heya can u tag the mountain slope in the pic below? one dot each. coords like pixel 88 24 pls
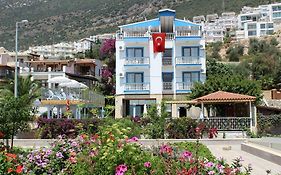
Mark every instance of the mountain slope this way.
pixel 54 21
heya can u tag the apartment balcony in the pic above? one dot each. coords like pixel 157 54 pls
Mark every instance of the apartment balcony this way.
pixel 137 87
pixel 169 36
pixel 167 87
pixel 167 61
pixel 61 95
pixel 184 86
pixel 137 61
pixel 188 61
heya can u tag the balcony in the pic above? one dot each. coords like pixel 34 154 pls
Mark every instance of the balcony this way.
pixel 61 94
pixel 136 61
pixel 167 61
pixel 167 86
pixel 188 60
pixel 184 86
pixel 137 87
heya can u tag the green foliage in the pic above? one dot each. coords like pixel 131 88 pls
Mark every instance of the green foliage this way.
pixel 229 83
pixel 15 114
pixel 274 41
pixel 234 53
pixel 157 121
pixel 215 68
pixel 214 49
pixel 269 125
pixel 181 128
pixel 203 151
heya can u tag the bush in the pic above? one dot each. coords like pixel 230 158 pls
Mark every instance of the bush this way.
pixel 203 151
pixel 269 125
pixel 181 128
pixel 52 128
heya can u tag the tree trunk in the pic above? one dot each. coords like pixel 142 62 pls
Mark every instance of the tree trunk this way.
pixel 12 136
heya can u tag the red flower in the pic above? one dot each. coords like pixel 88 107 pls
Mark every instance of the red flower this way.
pixel 10 170
pixel 11 156
pixel 19 169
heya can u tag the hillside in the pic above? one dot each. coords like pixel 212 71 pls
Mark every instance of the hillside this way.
pixel 54 21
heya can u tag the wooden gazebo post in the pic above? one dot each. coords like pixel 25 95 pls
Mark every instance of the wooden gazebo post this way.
pixel 251 116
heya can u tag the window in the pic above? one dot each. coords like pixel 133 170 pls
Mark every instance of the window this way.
pixel 252 26
pixel 134 77
pixel 189 77
pixel 270 25
pixel 252 33
pixel 277 15
pixel 134 52
pixel 167 77
pixel 262 26
pixel 190 51
pixel 167 57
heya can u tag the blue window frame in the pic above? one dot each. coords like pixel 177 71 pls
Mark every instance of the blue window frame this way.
pixel 132 52
pixel 190 51
pixel 189 77
pixel 134 77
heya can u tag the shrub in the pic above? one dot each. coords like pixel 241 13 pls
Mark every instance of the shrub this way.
pixel 52 128
pixel 181 128
pixel 269 125
pixel 9 163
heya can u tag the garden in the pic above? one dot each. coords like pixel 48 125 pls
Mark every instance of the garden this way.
pixel 116 149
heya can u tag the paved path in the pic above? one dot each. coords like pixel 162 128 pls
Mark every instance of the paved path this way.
pixel 259 165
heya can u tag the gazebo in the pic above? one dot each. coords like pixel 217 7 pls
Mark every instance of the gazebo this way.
pixel 232 111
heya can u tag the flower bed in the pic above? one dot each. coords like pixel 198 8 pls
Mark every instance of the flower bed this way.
pixel 111 151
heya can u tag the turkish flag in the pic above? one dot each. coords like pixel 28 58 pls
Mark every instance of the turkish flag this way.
pixel 159 42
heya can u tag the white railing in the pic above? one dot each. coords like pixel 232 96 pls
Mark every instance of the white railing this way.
pixel 184 85
pixel 136 60
pixel 188 60
pixel 136 86
pixel 170 36
pixel 167 86
pixel 189 33
pixel 167 61
pixel 136 34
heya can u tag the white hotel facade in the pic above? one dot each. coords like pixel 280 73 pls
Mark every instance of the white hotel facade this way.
pixel 144 77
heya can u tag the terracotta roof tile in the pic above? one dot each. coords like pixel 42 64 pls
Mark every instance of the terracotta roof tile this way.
pixel 222 96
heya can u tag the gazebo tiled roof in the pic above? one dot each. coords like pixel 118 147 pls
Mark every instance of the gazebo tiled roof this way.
pixel 222 96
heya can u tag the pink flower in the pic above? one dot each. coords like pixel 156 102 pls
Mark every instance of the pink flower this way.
pixel 133 139
pixel 211 172
pixel 209 164
pixel 121 169
pixel 166 149
pixel 147 164
pixel 72 160
pixel 186 154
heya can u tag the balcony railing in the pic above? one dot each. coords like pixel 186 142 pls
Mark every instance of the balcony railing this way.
pixel 72 94
pixel 167 61
pixel 228 123
pixel 187 60
pixel 136 86
pixel 184 85
pixel 167 86
pixel 170 36
pixel 136 60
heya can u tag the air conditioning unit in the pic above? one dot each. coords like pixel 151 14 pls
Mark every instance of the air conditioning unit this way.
pixel 121 75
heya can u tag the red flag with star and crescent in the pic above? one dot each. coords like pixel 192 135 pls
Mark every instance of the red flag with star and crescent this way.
pixel 158 42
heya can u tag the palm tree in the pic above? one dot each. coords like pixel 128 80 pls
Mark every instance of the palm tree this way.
pixel 27 88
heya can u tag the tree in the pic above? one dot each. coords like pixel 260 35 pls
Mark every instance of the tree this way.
pixel 26 88
pixel 215 68
pixel 234 53
pixel 214 50
pixel 15 114
pixel 157 121
pixel 229 83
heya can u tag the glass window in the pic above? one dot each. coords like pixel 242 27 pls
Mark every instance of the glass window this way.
pixel 134 52
pixel 262 26
pixel 190 76
pixel 167 77
pixel 270 25
pixel 134 77
pixel 191 51
pixel 252 33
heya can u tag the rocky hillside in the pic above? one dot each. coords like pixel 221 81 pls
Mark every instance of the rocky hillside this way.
pixel 54 21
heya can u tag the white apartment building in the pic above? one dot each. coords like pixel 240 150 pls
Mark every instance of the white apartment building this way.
pixel 83 44
pixel 214 32
pixel 60 50
pixel 144 77
pixel 258 29
pixel 228 20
